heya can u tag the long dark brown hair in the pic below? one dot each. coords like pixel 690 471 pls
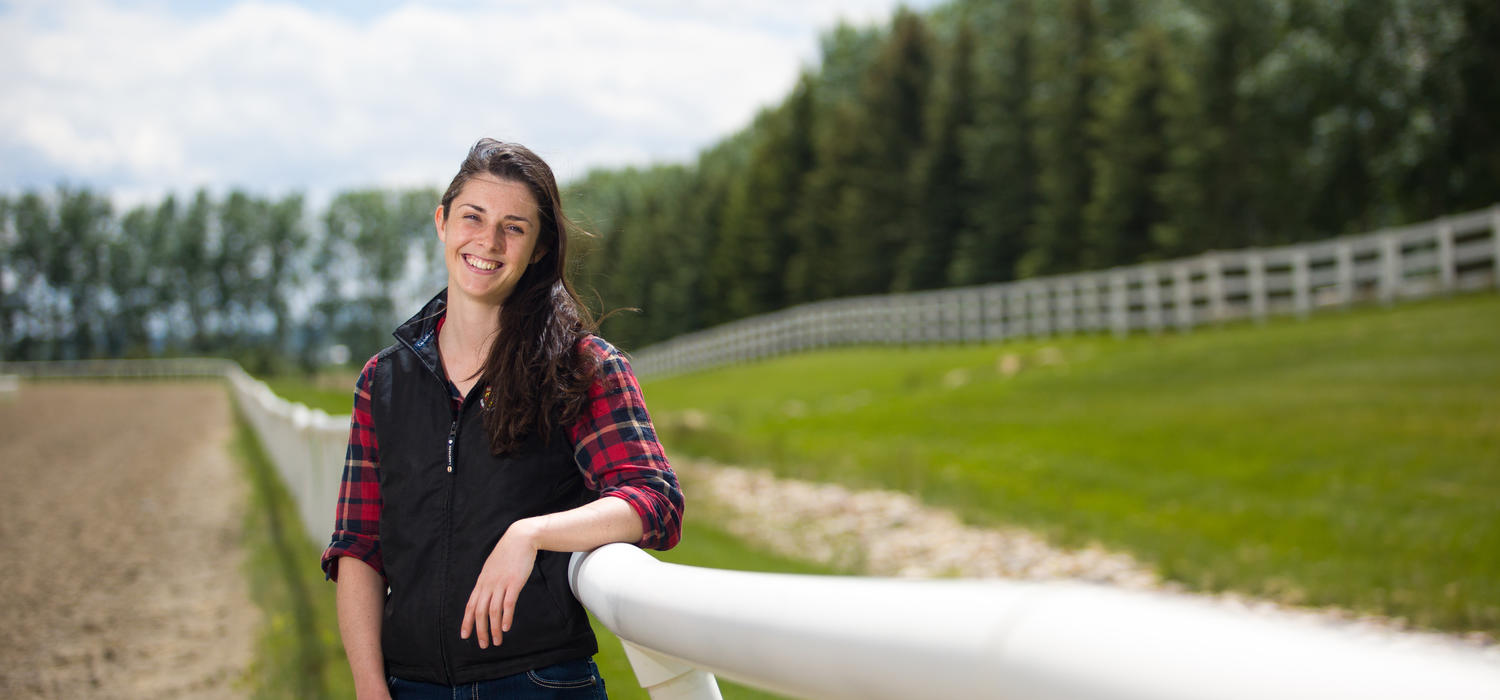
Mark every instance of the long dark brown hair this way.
pixel 537 375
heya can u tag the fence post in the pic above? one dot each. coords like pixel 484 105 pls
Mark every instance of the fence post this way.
pixel 1041 309
pixel 1151 297
pixel 1495 244
pixel 1214 275
pixel 1182 291
pixel 669 678
pixel 1345 253
pixel 1390 267
pixel 1447 267
pixel 1015 311
pixel 1301 294
pixel 1255 271
pixel 1088 302
pixel 1066 306
pixel 1119 304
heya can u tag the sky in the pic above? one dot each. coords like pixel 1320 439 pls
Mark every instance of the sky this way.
pixel 137 98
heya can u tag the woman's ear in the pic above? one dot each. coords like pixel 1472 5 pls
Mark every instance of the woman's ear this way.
pixel 437 223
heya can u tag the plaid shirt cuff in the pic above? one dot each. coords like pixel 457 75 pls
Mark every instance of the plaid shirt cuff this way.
pixel 617 450
pixel 345 544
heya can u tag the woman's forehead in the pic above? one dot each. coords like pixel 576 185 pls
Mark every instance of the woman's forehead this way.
pixel 486 187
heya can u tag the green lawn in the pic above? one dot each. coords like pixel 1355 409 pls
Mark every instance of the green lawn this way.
pixel 1350 459
pixel 331 390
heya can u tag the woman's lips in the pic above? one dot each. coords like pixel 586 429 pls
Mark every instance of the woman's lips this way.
pixel 481 265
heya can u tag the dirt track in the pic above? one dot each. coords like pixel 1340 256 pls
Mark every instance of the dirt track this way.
pixel 120 565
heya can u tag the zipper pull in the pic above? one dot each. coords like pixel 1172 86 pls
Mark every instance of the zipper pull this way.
pixel 452 434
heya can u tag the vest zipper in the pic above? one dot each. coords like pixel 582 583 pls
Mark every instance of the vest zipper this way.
pixel 447 556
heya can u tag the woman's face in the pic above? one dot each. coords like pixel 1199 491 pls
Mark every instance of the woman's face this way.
pixel 489 238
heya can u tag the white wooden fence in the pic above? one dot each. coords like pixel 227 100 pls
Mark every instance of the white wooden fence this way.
pixel 1454 253
pixel 845 637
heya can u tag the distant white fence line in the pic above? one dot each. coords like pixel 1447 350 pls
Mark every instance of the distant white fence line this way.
pixel 1454 253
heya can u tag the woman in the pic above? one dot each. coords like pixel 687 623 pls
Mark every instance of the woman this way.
pixel 493 438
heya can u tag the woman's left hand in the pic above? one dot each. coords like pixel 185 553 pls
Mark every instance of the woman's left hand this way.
pixel 493 602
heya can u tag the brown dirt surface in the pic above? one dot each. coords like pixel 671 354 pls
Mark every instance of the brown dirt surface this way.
pixel 120 526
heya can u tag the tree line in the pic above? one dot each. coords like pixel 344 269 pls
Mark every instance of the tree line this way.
pixel 983 141
pixel 257 279
pixel 990 140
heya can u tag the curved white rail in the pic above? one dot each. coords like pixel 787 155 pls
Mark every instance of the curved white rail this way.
pixel 847 637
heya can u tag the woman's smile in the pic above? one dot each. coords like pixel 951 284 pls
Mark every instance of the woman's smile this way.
pixel 481 265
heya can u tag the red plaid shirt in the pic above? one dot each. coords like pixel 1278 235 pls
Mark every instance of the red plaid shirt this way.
pixel 614 445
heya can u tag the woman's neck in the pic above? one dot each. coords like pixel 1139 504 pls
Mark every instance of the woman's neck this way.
pixel 468 332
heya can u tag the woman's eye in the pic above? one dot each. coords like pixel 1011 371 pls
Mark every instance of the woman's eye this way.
pixel 515 229
pixel 471 217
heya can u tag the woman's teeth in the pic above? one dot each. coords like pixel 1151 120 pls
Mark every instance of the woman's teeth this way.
pixel 481 263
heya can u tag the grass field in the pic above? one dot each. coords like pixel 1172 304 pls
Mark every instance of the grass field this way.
pixel 1351 459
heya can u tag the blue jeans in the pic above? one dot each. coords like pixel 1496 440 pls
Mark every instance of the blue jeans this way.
pixel 569 680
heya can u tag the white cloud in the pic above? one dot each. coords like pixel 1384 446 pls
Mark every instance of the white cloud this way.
pixel 274 96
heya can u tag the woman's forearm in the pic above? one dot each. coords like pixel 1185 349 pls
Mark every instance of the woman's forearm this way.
pixel 361 605
pixel 583 528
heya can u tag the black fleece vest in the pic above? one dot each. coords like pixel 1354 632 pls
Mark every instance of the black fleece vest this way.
pixel 445 503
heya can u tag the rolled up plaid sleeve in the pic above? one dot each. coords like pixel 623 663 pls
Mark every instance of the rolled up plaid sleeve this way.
pixel 616 448
pixel 356 529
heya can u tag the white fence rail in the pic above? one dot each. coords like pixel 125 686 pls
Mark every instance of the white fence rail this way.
pixel 844 637
pixel 1454 253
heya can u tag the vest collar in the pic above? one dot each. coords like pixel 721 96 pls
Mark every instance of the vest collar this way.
pixel 419 334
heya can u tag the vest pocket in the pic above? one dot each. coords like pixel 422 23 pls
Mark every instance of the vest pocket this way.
pixel 553 569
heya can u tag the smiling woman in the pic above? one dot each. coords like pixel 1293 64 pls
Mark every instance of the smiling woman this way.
pixel 497 435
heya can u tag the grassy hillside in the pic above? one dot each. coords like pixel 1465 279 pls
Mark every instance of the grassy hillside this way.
pixel 1350 459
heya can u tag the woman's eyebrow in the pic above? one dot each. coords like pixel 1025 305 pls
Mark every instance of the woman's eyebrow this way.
pixel 482 210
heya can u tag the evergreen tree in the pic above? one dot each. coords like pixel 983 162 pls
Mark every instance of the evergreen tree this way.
pixel 1064 110
pixel 1211 187
pixel 1001 163
pixel 1130 128
pixel 1456 118
pixel 873 210
pixel 943 196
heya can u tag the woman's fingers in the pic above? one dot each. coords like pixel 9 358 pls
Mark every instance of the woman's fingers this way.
pixel 510 608
pixel 492 604
pixel 494 610
pixel 488 614
pixel 468 624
